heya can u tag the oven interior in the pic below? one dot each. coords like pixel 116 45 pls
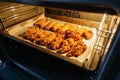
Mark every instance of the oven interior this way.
pixel 34 60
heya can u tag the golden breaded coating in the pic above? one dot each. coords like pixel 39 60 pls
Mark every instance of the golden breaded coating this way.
pixel 66 45
pixel 56 26
pixel 64 49
pixel 48 39
pixel 74 35
pixel 72 28
pixel 42 23
pixel 49 25
pixel 56 43
pixel 77 50
pixel 39 36
pixel 63 28
pixel 87 34
pixel 32 33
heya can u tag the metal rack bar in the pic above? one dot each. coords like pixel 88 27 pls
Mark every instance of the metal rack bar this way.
pixel 97 46
pixel 104 37
pixel 100 28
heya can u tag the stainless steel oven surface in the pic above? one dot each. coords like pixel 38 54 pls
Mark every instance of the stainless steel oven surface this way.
pixel 46 40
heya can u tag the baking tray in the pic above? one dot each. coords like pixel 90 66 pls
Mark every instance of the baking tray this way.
pixel 84 60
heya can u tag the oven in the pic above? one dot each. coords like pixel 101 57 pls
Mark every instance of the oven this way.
pixel 54 40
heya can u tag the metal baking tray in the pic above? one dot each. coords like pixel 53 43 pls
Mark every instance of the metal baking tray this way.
pixel 84 60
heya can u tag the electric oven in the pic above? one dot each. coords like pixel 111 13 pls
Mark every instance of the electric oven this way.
pixel 59 40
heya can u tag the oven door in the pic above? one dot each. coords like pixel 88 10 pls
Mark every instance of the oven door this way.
pixel 8 71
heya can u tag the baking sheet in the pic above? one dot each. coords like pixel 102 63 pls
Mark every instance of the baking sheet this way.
pixel 20 28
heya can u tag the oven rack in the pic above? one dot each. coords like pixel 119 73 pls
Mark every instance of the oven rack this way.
pixel 104 39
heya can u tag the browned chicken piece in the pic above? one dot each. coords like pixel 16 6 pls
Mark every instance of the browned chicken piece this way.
pixel 56 43
pixel 80 31
pixel 42 37
pixel 38 23
pixel 81 43
pixel 56 26
pixel 36 33
pixel 68 42
pixel 74 35
pixel 72 28
pixel 71 52
pixel 63 29
pixel 61 35
pixel 39 37
pixel 71 42
pixel 87 34
pixel 77 50
pixel 66 45
pixel 31 33
pixel 48 39
pixel 49 25
pixel 42 23
pixel 64 49
pixel 41 20
pixel 80 49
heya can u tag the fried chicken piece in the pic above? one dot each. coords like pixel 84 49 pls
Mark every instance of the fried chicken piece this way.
pixel 64 49
pixel 77 50
pixel 39 37
pixel 80 49
pixel 80 31
pixel 38 23
pixel 74 35
pixel 41 20
pixel 56 43
pixel 71 52
pixel 48 39
pixel 68 42
pixel 87 34
pixel 63 29
pixel 49 25
pixel 35 33
pixel 56 26
pixel 42 23
pixel 66 45
pixel 31 33
pixel 81 43
pixel 71 42
pixel 72 28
